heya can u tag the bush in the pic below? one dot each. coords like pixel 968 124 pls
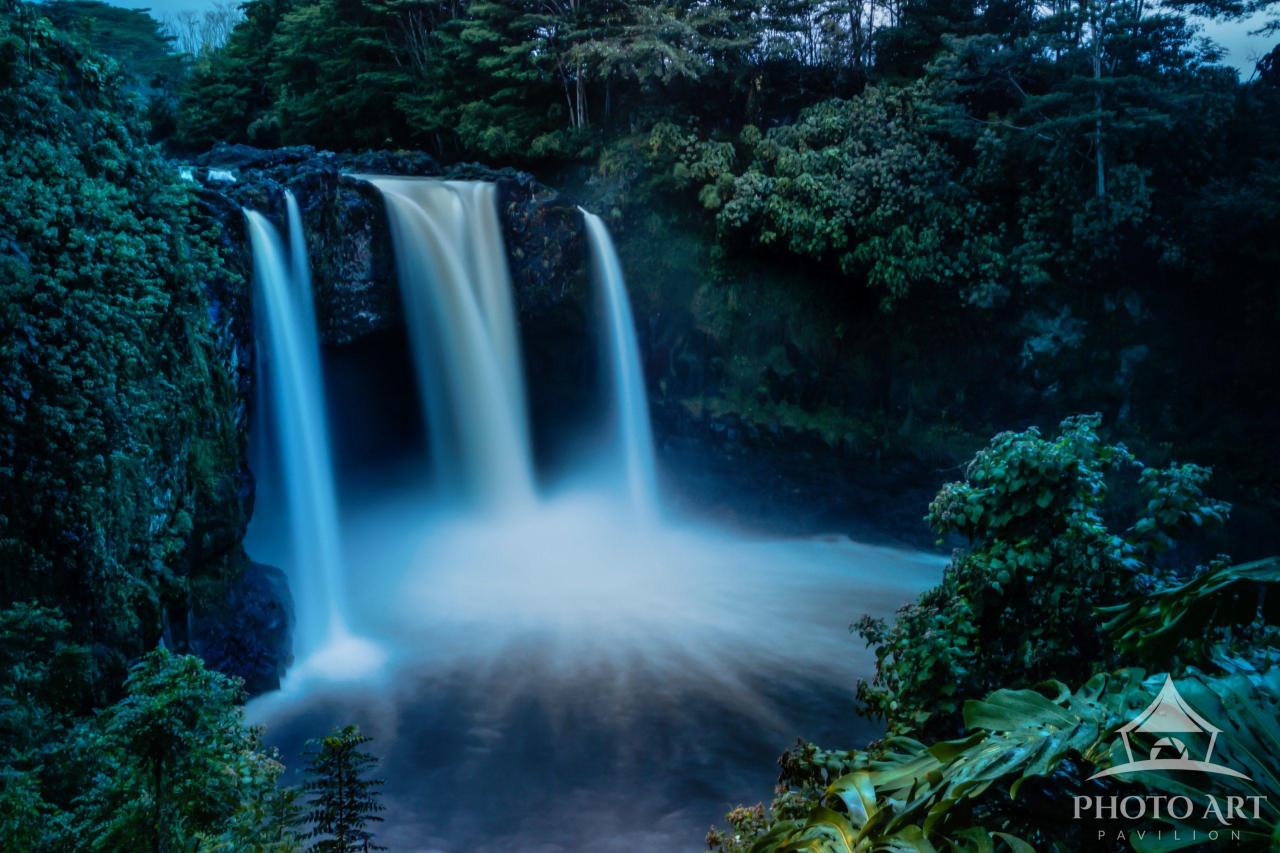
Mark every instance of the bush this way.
pixel 1017 606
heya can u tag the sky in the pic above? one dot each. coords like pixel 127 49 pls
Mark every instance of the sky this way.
pixel 1243 50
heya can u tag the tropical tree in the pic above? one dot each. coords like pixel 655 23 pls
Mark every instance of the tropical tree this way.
pixel 344 802
pixel 1018 605
pixel 173 764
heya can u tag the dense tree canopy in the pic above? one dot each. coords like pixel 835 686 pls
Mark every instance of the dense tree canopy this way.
pixel 117 446
pixel 171 765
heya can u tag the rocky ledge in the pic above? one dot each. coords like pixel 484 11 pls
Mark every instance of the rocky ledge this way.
pixel 242 626
pixel 347 235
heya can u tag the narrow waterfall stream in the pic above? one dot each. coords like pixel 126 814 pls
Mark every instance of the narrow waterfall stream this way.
pixel 297 417
pixel 563 670
pixel 634 435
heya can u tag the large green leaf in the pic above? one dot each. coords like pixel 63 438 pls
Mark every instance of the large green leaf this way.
pixel 912 796
pixel 1246 706
pixel 1152 627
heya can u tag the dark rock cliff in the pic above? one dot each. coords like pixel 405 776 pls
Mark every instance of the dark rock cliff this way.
pixel 347 235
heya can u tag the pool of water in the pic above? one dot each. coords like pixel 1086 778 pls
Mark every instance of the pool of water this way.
pixel 565 678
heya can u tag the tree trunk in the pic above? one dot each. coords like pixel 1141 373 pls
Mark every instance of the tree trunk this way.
pixel 157 806
pixel 568 99
pixel 1100 177
pixel 855 34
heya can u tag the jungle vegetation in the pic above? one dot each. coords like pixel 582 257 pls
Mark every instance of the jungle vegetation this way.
pixel 1004 687
pixel 118 491
pixel 1084 194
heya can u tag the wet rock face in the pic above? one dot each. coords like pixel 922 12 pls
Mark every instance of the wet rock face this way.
pixel 349 243
pixel 244 628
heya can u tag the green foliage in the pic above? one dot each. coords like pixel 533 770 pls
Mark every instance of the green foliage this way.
pixel 172 766
pixel 227 95
pixel 507 79
pixel 1226 604
pixel 1025 498
pixel 1018 605
pixel 111 390
pixel 967 794
pixel 137 42
pixel 510 105
pixel 959 794
pixel 45 673
pixel 47 679
pixel 333 76
pixel 344 802
pixel 1246 705
pixel 860 182
pixel 129 36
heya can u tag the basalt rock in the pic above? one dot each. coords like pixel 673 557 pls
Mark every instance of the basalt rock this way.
pixel 348 240
pixel 242 626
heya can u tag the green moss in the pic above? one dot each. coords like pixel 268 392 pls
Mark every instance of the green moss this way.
pixel 835 428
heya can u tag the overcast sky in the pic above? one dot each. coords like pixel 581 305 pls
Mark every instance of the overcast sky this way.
pixel 1243 50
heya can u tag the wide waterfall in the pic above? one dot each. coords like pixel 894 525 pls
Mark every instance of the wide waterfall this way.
pixel 634 435
pixel 290 352
pixel 457 297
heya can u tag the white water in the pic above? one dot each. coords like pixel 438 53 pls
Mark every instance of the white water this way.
pixel 296 413
pixel 300 268
pixel 634 435
pixel 562 678
pixel 457 299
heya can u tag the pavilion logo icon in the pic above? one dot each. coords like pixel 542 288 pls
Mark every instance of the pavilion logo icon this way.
pixel 1170 718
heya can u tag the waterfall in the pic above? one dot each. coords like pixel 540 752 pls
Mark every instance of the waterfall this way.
pixel 457 296
pixel 634 435
pixel 300 265
pixel 296 414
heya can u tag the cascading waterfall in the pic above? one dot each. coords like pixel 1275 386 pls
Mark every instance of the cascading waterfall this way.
pixel 300 265
pixel 459 305
pixel 457 296
pixel 634 435
pixel 296 413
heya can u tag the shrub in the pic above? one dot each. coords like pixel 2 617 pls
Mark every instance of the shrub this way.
pixel 1018 604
